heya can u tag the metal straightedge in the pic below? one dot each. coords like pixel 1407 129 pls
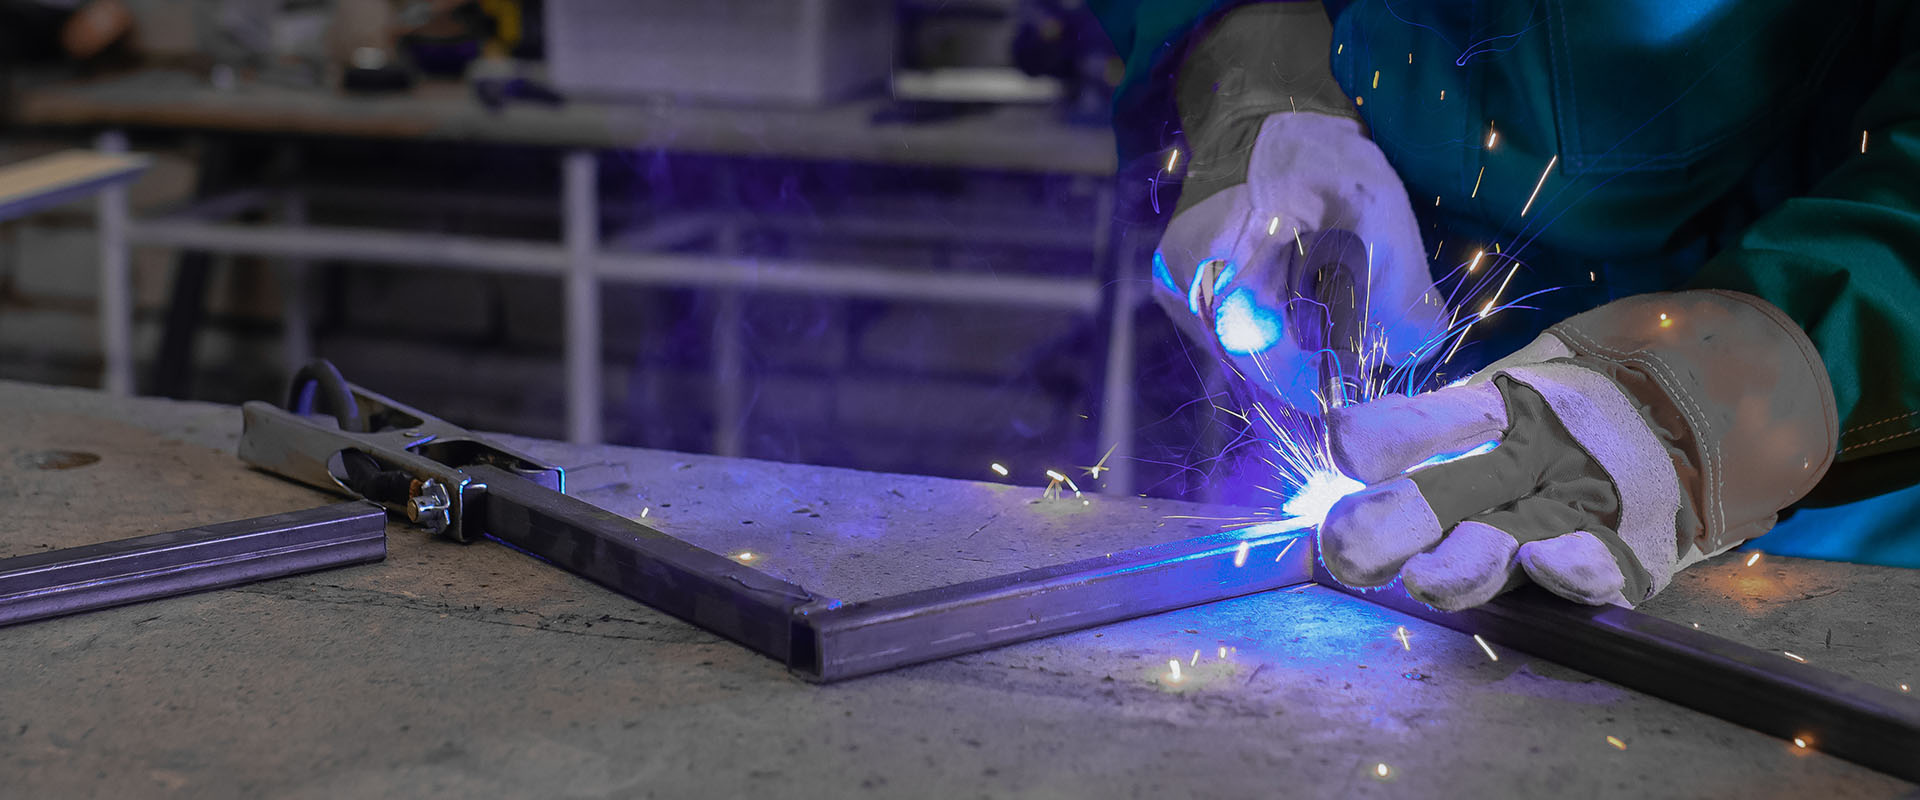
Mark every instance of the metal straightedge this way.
pixel 59 582
pixel 494 492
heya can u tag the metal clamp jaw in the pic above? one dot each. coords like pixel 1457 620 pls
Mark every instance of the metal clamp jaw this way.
pixel 369 446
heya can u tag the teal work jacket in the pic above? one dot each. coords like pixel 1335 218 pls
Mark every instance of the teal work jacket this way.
pixel 1767 146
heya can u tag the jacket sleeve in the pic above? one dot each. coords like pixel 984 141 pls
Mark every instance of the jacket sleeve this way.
pixel 1844 263
pixel 1148 34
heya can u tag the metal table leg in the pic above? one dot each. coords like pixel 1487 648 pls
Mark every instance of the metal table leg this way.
pixel 296 323
pixel 1114 260
pixel 116 282
pixel 580 211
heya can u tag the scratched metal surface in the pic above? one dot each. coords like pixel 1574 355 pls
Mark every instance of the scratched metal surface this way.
pixel 472 671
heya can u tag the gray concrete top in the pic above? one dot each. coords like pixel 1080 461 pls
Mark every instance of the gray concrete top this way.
pixel 473 671
pixel 1014 139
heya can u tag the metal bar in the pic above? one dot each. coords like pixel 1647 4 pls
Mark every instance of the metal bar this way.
pixel 116 278
pixel 729 357
pixel 493 254
pixel 320 242
pixel 296 321
pixel 878 635
pixel 801 277
pixel 59 582
pixel 702 587
pixel 1765 691
pixel 1117 391
pixel 580 215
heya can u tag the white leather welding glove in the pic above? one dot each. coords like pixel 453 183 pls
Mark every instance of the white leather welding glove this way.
pixel 1292 231
pixel 1633 440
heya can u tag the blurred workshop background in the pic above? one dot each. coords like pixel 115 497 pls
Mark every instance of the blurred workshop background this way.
pixel 881 234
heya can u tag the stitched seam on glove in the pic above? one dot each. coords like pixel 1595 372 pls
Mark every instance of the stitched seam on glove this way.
pixel 1603 421
pixel 1545 347
pixel 1696 418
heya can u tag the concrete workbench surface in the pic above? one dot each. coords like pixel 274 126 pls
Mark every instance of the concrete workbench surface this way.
pixel 473 671
pixel 1014 138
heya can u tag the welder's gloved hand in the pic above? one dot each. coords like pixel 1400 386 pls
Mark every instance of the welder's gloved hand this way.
pixel 1633 440
pixel 1291 228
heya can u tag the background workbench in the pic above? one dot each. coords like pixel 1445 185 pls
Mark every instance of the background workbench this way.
pixel 473 671
pixel 598 244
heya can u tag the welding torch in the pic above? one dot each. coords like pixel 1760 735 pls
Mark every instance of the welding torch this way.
pixel 1318 288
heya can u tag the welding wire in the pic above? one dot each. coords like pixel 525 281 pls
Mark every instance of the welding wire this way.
pixel 1484 646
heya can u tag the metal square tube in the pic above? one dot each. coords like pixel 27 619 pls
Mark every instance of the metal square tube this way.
pixel 76 579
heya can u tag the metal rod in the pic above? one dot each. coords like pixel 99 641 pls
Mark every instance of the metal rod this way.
pixel 323 242
pixel 878 635
pixel 59 582
pixel 1117 391
pixel 116 279
pixel 513 256
pixel 705 588
pixel 800 277
pixel 1765 691
pixel 296 320
pixel 580 215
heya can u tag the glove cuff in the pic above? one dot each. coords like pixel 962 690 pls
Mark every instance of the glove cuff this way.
pixel 1254 61
pixel 1736 389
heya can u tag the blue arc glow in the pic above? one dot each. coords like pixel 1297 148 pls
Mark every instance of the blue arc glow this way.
pixel 1317 495
pixel 1161 274
pixel 1244 326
